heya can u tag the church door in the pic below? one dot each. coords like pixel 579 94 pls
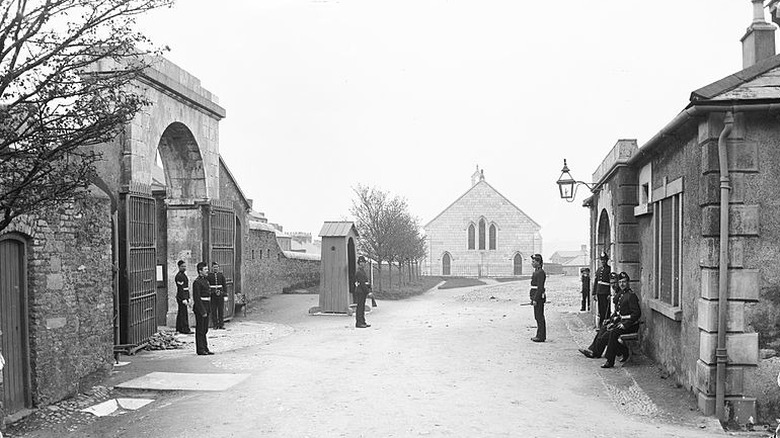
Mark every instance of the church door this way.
pixel 518 264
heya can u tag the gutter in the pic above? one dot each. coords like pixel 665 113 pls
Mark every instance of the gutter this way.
pixel 721 354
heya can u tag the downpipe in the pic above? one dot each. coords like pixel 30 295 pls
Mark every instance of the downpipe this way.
pixel 721 354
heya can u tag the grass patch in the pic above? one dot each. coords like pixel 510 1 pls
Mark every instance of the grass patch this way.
pixel 407 290
pixel 455 282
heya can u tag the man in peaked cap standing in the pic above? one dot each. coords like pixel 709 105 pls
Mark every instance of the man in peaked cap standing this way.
pixel 601 287
pixel 362 287
pixel 538 297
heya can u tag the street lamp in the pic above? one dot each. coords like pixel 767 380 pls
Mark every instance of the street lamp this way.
pixel 568 185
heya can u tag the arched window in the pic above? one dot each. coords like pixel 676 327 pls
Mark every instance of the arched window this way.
pixel 482 234
pixel 445 264
pixel 518 264
pixel 471 236
pixel 492 237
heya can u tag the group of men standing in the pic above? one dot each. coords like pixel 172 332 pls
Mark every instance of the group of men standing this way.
pixel 208 300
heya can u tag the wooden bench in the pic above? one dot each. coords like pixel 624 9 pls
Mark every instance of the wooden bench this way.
pixel 631 339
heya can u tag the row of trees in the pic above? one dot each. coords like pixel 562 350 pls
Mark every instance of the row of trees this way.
pixel 388 232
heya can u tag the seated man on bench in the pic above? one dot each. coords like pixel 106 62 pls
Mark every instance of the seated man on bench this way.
pixel 626 321
pixel 599 344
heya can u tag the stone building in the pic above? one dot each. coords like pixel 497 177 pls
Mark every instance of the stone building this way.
pixel 95 274
pixel 692 217
pixel 481 234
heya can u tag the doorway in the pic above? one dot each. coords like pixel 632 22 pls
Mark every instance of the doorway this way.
pixel 13 311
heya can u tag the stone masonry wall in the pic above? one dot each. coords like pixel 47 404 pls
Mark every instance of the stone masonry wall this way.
pixel 268 271
pixel 70 295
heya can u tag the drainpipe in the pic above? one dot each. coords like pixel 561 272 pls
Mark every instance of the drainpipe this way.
pixel 721 355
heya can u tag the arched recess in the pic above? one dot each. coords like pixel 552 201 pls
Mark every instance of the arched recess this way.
pixel 14 322
pixel 446 264
pixel 604 236
pixel 471 236
pixel 182 162
pixel 517 264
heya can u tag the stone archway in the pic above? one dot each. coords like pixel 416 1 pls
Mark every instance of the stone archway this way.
pixel 181 214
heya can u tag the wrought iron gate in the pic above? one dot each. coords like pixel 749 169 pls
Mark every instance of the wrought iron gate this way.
pixel 137 265
pixel 223 251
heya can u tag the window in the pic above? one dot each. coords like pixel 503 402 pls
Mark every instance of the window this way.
pixel 471 236
pixel 482 234
pixel 492 237
pixel 667 263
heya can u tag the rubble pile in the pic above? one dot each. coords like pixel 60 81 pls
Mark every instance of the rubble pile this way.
pixel 163 341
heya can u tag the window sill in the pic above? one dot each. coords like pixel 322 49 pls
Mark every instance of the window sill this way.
pixel 643 209
pixel 667 310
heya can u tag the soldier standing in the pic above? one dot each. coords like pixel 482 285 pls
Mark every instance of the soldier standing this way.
pixel 218 290
pixel 538 297
pixel 585 277
pixel 601 287
pixel 201 297
pixel 183 299
pixel 361 292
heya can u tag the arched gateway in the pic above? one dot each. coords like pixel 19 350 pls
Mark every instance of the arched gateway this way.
pixel 177 216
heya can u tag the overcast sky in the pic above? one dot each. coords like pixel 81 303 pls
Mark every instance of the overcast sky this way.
pixel 411 95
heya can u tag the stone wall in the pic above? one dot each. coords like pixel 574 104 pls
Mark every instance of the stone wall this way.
pixel 268 271
pixel 70 295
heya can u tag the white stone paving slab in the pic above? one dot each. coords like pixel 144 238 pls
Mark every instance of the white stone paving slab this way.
pixel 161 381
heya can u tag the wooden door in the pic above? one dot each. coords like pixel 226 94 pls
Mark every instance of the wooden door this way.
pixel 13 311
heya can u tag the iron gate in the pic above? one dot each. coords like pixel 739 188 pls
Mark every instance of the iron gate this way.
pixel 223 251
pixel 137 265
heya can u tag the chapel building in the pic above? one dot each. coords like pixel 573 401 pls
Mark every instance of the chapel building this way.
pixel 481 234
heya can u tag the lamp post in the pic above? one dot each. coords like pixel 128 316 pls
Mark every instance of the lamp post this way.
pixel 568 185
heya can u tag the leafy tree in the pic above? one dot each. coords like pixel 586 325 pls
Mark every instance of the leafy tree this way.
pixel 67 69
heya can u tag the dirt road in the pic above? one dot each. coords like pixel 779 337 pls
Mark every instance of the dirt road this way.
pixel 454 363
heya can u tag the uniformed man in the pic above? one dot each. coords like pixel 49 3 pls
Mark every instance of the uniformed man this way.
pixel 601 287
pixel 183 299
pixel 362 287
pixel 585 291
pixel 201 304
pixel 218 290
pixel 538 297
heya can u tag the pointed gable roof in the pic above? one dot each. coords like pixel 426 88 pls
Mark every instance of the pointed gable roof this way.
pixel 469 191
pixel 759 81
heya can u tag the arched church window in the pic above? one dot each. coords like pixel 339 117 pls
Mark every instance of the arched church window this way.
pixel 492 237
pixel 482 234
pixel 471 236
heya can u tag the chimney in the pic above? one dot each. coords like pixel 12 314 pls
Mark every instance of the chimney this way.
pixel 759 40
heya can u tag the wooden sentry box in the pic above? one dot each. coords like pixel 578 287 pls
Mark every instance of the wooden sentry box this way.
pixel 338 266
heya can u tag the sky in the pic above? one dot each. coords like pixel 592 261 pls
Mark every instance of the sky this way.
pixel 409 96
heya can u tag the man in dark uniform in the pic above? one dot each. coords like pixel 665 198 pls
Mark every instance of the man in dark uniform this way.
pixel 599 344
pixel 201 304
pixel 183 299
pixel 601 288
pixel 218 289
pixel 625 320
pixel 538 297
pixel 362 287
pixel 585 277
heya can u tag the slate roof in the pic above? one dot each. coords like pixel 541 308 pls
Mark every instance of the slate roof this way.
pixel 759 81
pixel 492 188
pixel 337 229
